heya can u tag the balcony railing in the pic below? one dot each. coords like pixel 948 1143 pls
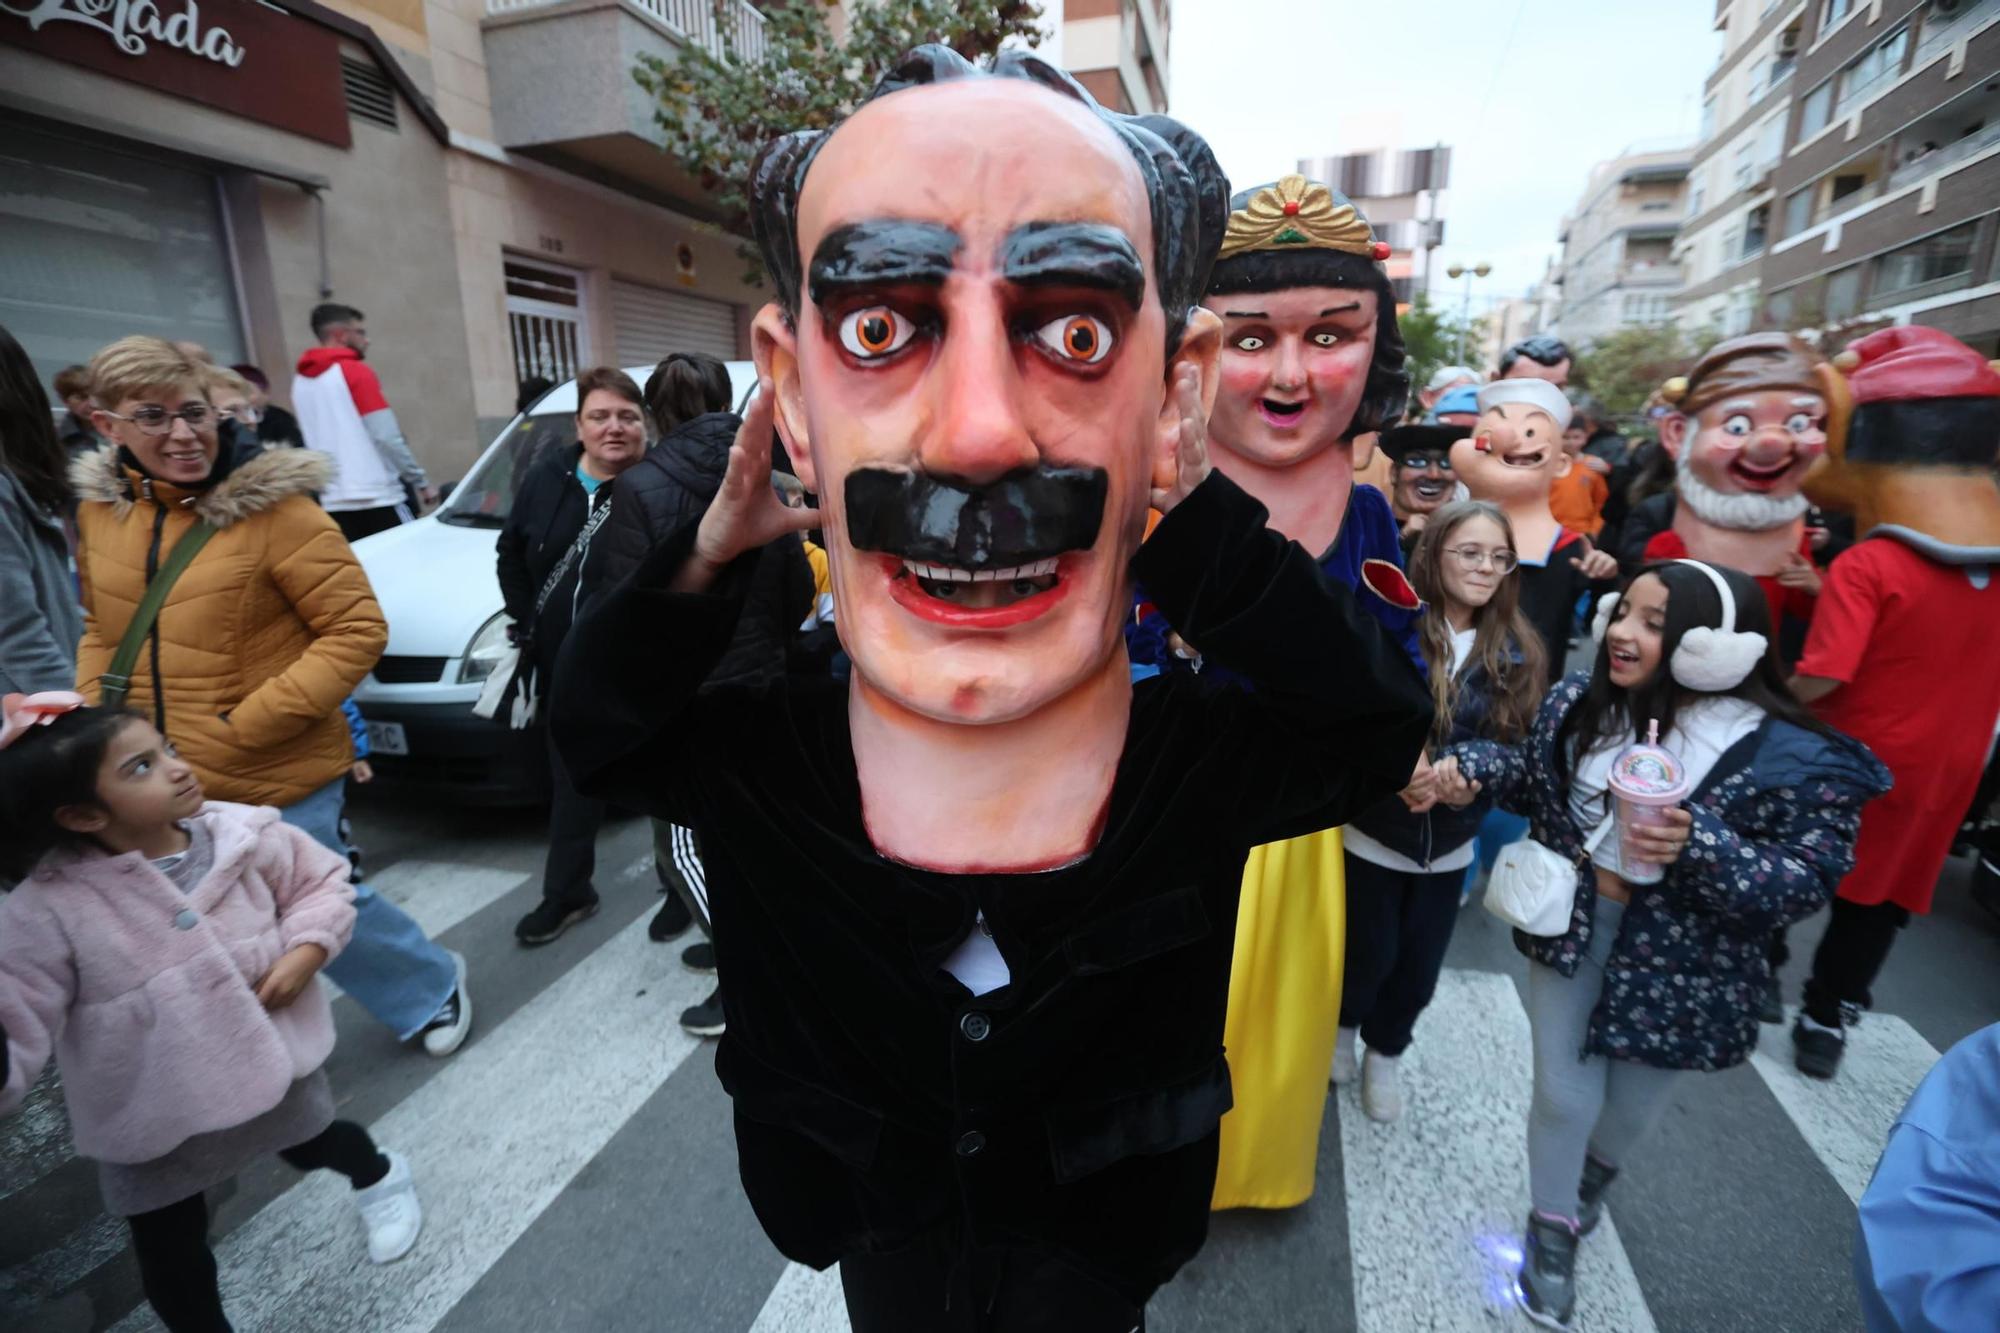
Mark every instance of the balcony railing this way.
pixel 1940 33
pixel 731 25
pixel 1938 159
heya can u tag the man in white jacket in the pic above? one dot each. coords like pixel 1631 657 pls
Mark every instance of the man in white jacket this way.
pixel 342 413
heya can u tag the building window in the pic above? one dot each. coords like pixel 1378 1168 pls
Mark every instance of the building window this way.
pixel 1707 120
pixel 1756 227
pixel 1697 193
pixel 1843 293
pixel 1943 258
pixel 1779 307
pixel 1815 110
pixel 1873 71
pixel 1744 160
pixel 1798 211
pixel 1833 13
pixel 545 320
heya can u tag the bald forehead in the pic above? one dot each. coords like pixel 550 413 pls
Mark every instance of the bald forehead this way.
pixel 979 156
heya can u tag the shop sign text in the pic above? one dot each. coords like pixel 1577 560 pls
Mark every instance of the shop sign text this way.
pixel 132 24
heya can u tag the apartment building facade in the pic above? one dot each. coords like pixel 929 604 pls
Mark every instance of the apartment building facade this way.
pixel 1116 48
pixel 1618 265
pixel 1400 192
pixel 1852 176
pixel 483 178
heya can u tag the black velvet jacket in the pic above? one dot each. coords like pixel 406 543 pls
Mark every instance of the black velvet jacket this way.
pixel 1077 1106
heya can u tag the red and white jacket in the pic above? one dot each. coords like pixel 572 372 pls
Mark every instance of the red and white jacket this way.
pixel 343 414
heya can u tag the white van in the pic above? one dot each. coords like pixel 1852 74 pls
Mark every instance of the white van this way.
pixel 438 586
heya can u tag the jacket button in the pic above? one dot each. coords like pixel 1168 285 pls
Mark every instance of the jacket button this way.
pixel 975 1026
pixel 971 1143
pixel 185 919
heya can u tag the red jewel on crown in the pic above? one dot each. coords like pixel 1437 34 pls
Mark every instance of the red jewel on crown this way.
pixel 1291 208
pixel 1379 250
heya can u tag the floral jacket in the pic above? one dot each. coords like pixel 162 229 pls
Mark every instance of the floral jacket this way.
pixel 1773 835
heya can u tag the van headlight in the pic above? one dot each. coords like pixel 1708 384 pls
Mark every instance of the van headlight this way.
pixel 486 651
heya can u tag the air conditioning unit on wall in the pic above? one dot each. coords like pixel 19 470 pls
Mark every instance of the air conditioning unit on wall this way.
pixel 1788 43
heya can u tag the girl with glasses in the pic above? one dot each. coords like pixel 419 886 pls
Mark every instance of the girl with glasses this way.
pixel 1407 857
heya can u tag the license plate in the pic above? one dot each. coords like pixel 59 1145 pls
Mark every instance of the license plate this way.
pixel 387 738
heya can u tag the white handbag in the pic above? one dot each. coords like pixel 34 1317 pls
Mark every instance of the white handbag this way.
pixel 1533 888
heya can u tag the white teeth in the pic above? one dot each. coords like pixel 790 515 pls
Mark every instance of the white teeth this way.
pixel 952 574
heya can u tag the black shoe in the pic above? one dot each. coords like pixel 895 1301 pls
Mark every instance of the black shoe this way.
pixel 1597 1178
pixel 1774 1002
pixel 1547 1284
pixel 551 918
pixel 699 957
pixel 671 920
pixel 1816 1051
pixel 705 1019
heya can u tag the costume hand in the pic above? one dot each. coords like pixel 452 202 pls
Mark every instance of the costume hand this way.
pixel 1660 844
pixel 363 771
pixel 1421 794
pixel 746 512
pixel 1453 787
pixel 1798 572
pixel 1596 565
pixel 290 975
pixel 1191 457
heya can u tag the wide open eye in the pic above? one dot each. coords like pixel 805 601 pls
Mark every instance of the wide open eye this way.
pixel 874 332
pixel 1249 342
pixel 1081 338
pixel 1738 425
pixel 1798 423
pixel 1324 339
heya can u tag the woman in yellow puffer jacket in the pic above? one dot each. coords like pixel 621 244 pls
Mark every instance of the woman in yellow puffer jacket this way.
pixel 260 640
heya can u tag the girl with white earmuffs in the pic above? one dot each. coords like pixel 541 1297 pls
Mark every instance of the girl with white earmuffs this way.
pixel 1656 974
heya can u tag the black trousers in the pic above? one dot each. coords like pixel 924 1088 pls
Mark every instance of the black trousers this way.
pixel 176 1267
pixel 1398 927
pixel 573 824
pixel 358 523
pixel 1850 957
pixel 929 1287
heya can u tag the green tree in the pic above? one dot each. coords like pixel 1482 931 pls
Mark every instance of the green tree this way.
pixel 718 111
pixel 1435 338
pixel 1622 369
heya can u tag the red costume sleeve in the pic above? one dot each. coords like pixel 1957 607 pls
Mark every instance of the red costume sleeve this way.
pixel 1843 618
pixel 1664 545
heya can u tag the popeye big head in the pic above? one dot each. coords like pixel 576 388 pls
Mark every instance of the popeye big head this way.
pixel 1515 453
pixel 1311 354
pixel 986 294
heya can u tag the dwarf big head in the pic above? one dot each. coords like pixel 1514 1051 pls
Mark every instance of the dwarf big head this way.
pixel 984 286
pixel 1914 442
pixel 1748 421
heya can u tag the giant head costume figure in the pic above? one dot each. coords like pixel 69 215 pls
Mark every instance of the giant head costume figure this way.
pixel 1514 454
pixel 1747 422
pixel 985 284
pixel 1914 442
pixel 1311 355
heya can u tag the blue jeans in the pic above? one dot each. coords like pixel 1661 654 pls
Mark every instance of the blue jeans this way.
pixel 391 968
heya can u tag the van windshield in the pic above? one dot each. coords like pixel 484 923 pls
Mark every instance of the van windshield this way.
pixel 483 499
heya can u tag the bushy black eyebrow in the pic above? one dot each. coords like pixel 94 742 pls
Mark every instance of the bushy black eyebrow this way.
pixel 1340 309
pixel 879 253
pixel 1074 254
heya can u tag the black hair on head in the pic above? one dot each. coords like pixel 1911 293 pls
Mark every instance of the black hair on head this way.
pixel 1186 190
pixel 1387 392
pixel 44 770
pixel 1544 349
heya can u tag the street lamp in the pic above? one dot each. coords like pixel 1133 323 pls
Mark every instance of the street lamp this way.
pixel 1479 270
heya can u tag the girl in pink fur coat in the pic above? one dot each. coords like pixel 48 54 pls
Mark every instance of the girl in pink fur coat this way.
pixel 165 950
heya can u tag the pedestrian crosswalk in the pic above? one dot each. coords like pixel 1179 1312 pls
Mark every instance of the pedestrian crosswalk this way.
pixel 1414 1225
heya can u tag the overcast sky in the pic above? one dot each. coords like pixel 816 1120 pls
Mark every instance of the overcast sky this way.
pixel 1530 94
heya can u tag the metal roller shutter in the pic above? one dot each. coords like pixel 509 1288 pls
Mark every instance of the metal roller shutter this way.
pixel 650 322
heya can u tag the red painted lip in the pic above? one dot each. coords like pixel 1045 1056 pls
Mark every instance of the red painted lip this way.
pixel 917 602
pixel 1278 421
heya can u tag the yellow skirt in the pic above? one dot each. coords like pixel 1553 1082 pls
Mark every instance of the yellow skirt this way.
pixel 1284 1009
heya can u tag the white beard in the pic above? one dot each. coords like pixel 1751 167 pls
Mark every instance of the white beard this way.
pixel 1741 511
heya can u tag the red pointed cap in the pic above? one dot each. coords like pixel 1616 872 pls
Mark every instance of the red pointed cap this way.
pixel 1911 362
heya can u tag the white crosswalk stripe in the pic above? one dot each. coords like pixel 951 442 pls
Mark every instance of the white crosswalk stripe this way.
pixel 1432 1205
pixel 1847 1119
pixel 1435 1201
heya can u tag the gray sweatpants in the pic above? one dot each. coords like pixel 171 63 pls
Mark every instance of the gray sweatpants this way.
pixel 1591 1104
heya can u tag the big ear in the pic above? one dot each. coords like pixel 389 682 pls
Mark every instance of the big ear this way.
pixel 774 346
pixel 1201 344
pixel 1674 428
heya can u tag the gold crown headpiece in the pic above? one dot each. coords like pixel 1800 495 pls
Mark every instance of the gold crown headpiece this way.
pixel 1298 214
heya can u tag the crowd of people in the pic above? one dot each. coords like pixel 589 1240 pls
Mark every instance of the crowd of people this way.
pixel 1146 702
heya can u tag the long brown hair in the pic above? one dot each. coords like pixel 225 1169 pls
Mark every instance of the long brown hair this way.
pixel 1503 642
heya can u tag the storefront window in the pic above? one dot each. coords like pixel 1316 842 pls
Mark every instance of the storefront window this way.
pixel 97 243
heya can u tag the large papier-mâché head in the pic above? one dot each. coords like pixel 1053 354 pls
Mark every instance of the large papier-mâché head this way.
pixel 1311 353
pixel 1515 452
pixel 984 283
pixel 1748 421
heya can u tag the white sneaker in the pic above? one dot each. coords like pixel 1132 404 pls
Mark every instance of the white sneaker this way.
pixel 453 1024
pixel 390 1212
pixel 1343 1056
pixel 1381 1097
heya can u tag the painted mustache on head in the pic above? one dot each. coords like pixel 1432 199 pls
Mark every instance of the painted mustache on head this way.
pixel 1022 519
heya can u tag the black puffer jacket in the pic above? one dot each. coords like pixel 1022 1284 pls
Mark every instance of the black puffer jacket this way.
pixel 672 488
pixel 547 515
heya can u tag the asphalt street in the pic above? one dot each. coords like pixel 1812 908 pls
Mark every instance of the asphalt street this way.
pixel 578 1172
